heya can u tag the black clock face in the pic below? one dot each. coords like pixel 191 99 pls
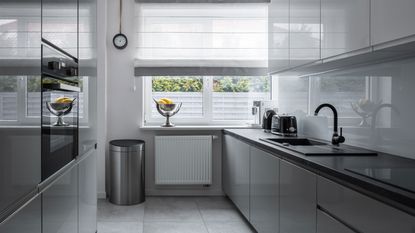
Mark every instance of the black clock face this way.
pixel 120 41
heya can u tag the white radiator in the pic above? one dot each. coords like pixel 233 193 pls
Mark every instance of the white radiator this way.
pixel 183 160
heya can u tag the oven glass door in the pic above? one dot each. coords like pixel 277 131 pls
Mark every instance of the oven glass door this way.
pixel 60 106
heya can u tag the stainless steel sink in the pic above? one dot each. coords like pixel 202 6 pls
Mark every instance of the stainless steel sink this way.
pixel 295 141
pixel 311 147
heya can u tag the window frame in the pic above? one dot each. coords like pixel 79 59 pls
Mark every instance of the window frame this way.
pixel 207 105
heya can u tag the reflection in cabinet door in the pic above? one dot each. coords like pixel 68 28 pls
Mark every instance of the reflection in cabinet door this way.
pixel 60 24
pixel 297 199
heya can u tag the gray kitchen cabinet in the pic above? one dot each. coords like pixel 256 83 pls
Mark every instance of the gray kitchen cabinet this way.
pixel 304 31
pixel 26 220
pixel 264 195
pixel 60 204
pixel 327 224
pixel 363 213
pixel 345 26
pixel 236 173
pixel 278 36
pixel 391 20
pixel 297 199
pixel 87 201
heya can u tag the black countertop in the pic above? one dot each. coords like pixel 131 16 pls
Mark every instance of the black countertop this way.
pixel 333 168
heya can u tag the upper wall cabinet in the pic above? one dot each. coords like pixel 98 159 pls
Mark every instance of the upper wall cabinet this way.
pixel 278 54
pixel 304 39
pixel 345 26
pixel 60 24
pixel 392 20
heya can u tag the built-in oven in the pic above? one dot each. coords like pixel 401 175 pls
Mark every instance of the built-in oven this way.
pixel 60 108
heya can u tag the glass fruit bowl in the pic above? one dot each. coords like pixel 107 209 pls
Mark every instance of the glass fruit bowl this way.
pixel 168 110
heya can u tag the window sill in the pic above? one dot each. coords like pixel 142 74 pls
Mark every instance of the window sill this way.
pixel 195 127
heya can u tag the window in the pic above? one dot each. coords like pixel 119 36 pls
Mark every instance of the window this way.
pixel 211 57
pixel 207 99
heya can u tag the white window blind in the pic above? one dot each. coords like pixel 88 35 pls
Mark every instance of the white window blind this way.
pixel 201 39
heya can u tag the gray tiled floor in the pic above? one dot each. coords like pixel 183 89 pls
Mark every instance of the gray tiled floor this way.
pixel 172 215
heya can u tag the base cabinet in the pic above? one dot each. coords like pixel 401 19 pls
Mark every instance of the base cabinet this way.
pixel 297 199
pixel 327 224
pixel 361 212
pixel 236 173
pixel 264 194
pixel 60 204
pixel 88 193
pixel 27 220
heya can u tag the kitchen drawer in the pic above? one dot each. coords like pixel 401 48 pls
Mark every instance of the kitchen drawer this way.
pixel 327 224
pixel 360 211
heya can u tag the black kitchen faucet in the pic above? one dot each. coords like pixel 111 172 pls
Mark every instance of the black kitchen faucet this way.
pixel 336 139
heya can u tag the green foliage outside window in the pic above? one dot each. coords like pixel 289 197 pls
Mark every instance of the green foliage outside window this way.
pixel 177 84
pixel 220 84
pixel 8 84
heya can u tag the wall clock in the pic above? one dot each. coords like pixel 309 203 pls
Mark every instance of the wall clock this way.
pixel 120 40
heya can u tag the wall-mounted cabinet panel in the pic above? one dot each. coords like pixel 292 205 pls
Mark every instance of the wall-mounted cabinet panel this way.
pixel 264 195
pixel 304 38
pixel 297 199
pixel 361 212
pixel 278 37
pixel 60 24
pixel 27 220
pixel 345 26
pixel 236 173
pixel 60 204
pixel 391 20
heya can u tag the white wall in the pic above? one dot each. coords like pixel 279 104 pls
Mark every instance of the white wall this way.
pixel 124 107
pixel 102 94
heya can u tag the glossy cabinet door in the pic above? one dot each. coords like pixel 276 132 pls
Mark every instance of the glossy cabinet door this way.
pixel 327 224
pixel 27 220
pixel 345 26
pixel 391 20
pixel 278 36
pixel 88 75
pixel 362 212
pixel 60 204
pixel 88 193
pixel 60 24
pixel 264 195
pixel 20 101
pixel 236 173
pixel 304 41
pixel 297 199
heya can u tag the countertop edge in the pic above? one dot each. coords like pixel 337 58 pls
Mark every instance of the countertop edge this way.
pixel 362 185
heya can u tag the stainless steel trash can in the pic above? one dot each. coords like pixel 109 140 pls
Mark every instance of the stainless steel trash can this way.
pixel 126 172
